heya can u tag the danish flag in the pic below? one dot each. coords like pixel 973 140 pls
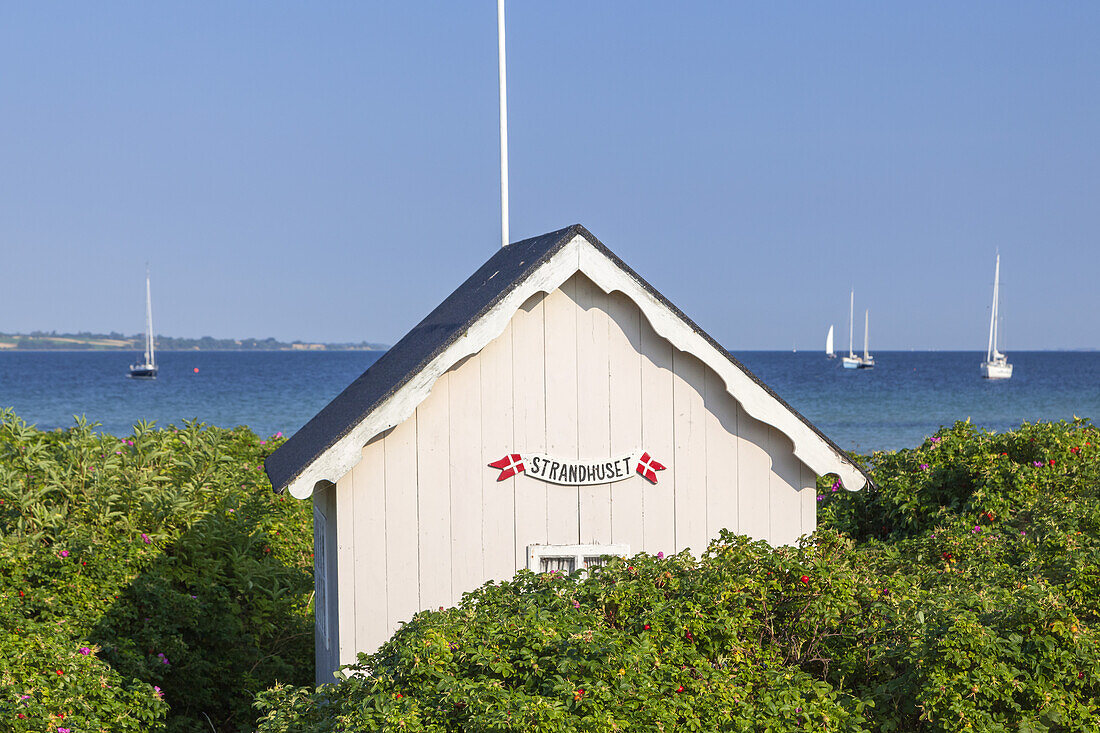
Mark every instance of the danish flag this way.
pixel 509 466
pixel 648 468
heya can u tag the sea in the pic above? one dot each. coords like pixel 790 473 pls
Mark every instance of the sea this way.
pixel 906 397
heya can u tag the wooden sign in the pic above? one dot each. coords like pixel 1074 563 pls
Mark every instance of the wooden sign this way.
pixel 577 473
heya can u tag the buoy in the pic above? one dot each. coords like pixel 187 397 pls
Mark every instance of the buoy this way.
pixel 196 370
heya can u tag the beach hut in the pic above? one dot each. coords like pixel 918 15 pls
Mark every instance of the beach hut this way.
pixel 554 409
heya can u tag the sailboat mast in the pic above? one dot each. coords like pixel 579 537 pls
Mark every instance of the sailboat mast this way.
pixel 148 321
pixel 993 311
pixel 851 323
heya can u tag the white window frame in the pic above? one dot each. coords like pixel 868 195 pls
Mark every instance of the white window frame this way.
pixel 536 554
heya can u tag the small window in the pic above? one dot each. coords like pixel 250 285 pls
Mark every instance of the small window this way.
pixel 568 558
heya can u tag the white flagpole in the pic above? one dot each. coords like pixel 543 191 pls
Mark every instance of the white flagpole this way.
pixel 503 129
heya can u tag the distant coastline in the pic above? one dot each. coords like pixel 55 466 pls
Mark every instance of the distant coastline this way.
pixel 53 341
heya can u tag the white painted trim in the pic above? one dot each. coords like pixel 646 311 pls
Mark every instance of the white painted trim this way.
pixel 579 255
pixel 535 553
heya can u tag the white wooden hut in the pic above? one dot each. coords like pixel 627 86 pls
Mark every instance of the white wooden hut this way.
pixel 554 408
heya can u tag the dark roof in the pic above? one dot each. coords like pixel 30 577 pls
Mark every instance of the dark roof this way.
pixel 501 274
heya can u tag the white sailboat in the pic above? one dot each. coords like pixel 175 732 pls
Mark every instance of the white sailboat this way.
pixel 851 361
pixel 147 369
pixel 829 352
pixel 868 361
pixel 996 364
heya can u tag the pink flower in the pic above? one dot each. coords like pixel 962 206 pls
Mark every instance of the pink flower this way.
pixel 85 650
pixel 976 529
pixel 157 691
pixel 924 466
pixel 62 730
pixel 576 604
pixel 660 556
pixel 163 659
pixel 63 553
pixel 263 442
pixel 936 440
pixel 146 539
pixel 278 434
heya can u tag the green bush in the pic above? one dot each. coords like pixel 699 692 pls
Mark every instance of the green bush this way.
pixel 961 592
pixel 152 582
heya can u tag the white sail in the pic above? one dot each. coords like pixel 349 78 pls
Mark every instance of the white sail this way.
pixel 851 361
pixel 996 364
pixel 829 344
pixel 851 315
pixel 148 369
pixel 150 356
pixel 993 311
pixel 866 331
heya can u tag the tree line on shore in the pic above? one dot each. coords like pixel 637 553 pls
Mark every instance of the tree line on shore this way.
pixel 114 341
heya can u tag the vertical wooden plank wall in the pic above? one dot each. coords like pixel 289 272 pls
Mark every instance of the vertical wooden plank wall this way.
pixel 723 469
pixel 366 577
pixel 465 497
pixel 580 374
pixel 785 481
pixel 658 437
pixel 593 408
pixel 753 477
pixel 529 421
pixel 809 498
pixel 433 491
pixel 402 541
pixel 498 523
pixel 625 370
pixel 690 459
pixel 560 319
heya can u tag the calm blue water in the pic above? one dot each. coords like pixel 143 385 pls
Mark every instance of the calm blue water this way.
pixel 910 394
pixel 906 397
pixel 267 391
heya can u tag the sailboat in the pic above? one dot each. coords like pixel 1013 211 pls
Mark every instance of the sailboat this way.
pixel 829 352
pixel 868 361
pixel 996 364
pixel 147 369
pixel 851 361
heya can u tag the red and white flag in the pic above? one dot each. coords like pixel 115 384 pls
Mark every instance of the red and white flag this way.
pixel 509 466
pixel 648 468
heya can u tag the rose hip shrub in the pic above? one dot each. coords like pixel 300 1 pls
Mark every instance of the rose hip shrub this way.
pixel 731 641
pixel 71 687
pixel 152 582
pixel 989 547
pixel 961 592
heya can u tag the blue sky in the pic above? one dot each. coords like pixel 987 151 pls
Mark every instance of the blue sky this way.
pixel 329 171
